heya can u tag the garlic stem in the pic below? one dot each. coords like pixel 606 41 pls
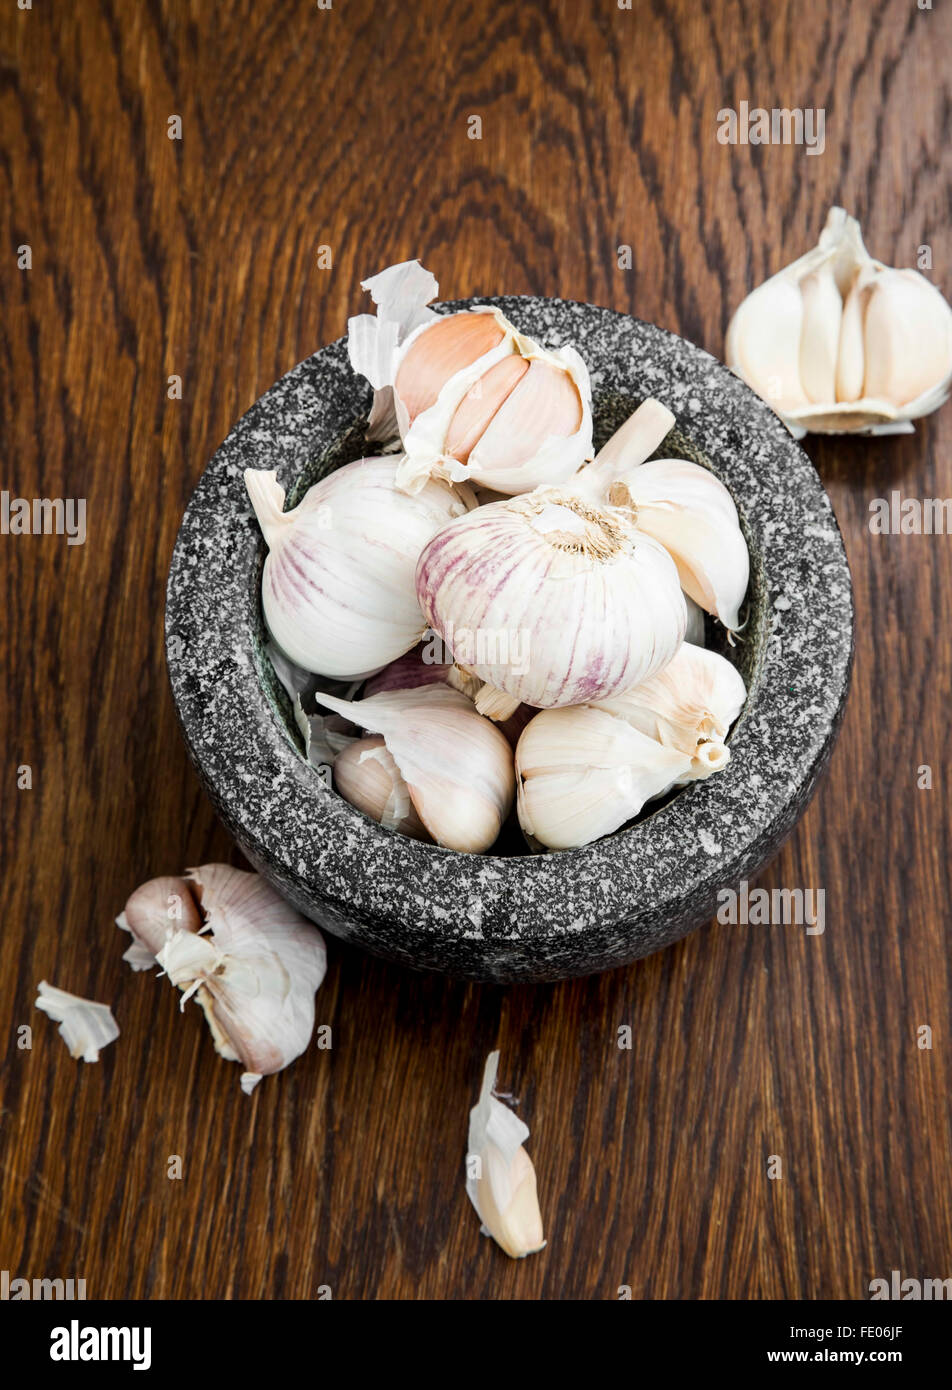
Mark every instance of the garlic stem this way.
pixel 267 497
pixel 628 447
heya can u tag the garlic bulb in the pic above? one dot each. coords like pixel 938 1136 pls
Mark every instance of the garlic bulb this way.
pixel 85 1026
pixel 473 398
pixel 500 1178
pixel 366 775
pixel 838 342
pixel 690 705
pixel 457 766
pixel 551 600
pixel 250 960
pixel 691 513
pixel 581 773
pixel 338 584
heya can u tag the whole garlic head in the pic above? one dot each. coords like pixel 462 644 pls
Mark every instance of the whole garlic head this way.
pixel 338 585
pixel 840 343
pixel 551 599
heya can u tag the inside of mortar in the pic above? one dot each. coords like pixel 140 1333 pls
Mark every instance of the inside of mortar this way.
pixel 610 410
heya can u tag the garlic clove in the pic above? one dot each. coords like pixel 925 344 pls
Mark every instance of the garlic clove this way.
pixel 437 352
pixel 338 587
pixel 544 404
pixel 690 705
pixel 480 405
pixel 851 354
pixel 907 336
pixel 366 775
pixel 581 773
pixel 628 448
pixel 520 594
pixel 500 1177
pixel 763 343
pixel 457 766
pixel 820 333
pixel 253 966
pixel 85 1026
pixel 691 513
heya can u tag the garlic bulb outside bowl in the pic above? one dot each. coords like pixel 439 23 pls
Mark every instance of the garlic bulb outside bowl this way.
pixel 523 917
pixel 838 342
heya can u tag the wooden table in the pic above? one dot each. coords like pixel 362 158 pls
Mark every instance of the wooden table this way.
pixel 198 258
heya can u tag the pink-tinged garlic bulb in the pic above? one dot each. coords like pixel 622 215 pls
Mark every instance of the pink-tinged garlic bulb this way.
pixel 338 586
pixel 250 960
pixel 472 397
pixel 551 600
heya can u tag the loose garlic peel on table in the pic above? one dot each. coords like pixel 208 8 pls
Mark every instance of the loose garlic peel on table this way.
pixel 839 342
pixel 471 397
pixel 253 964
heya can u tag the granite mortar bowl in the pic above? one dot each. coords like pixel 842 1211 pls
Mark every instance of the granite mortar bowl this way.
pixel 522 916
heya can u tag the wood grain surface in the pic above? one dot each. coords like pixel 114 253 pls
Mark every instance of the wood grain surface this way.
pixel 348 127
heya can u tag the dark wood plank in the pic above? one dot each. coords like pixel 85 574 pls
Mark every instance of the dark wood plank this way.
pixel 198 257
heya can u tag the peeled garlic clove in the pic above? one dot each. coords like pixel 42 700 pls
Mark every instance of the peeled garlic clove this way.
pixel 85 1026
pixel 820 333
pixel 691 513
pixel 500 1178
pixel 907 336
pixel 366 775
pixel 690 705
pixel 456 765
pixel 522 594
pixel 581 773
pixel 253 966
pixel 338 586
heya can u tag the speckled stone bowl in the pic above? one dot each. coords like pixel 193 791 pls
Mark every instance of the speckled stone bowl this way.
pixel 518 917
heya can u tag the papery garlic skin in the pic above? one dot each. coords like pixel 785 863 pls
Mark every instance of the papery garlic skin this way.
pixel 457 765
pixel 557 600
pixel 690 705
pixel 338 585
pixel 367 776
pixel 85 1026
pixel 691 513
pixel 503 1187
pixel 581 773
pixel 837 342
pixel 254 965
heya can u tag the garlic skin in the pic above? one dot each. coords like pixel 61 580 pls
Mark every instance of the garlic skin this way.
pixel 254 964
pixel 526 585
pixel 472 398
pixel 366 775
pixel 581 773
pixel 85 1026
pixel 457 766
pixel 504 1193
pixel 837 342
pixel 338 584
pixel 691 513
pixel 690 705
